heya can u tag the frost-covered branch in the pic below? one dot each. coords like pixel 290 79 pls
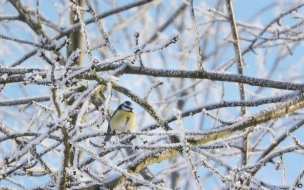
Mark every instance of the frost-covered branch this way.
pixel 124 172
pixel 198 46
pixel 155 85
pixel 60 81
pixel 175 74
pixel 275 20
pixel 101 29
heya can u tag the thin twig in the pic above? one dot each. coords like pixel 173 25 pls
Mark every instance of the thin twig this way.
pixel 101 29
pixel 199 51
pixel 155 85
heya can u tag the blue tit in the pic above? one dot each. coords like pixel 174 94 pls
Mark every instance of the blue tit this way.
pixel 123 119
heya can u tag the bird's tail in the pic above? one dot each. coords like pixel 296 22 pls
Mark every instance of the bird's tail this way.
pixel 108 136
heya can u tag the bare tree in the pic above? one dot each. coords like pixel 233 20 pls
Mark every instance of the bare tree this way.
pixel 217 89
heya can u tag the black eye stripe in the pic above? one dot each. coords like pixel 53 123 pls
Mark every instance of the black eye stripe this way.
pixel 126 108
pixel 128 104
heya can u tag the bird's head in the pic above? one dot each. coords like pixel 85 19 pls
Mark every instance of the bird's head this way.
pixel 127 106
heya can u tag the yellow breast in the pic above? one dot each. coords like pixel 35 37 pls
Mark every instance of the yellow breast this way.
pixel 122 121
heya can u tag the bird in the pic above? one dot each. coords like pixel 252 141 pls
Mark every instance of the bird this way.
pixel 123 119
